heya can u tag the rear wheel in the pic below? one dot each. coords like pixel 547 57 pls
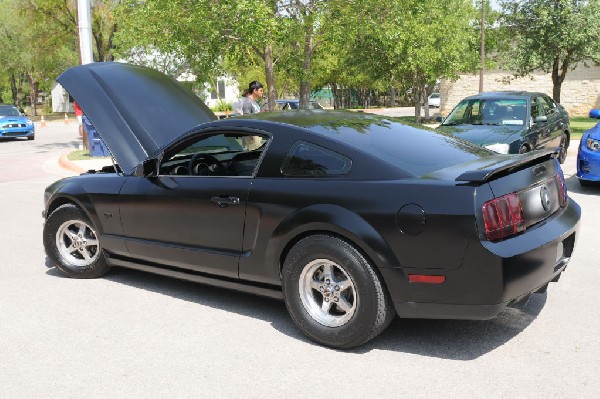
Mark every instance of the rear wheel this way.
pixel 333 294
pixel 72 244
pixel 562 152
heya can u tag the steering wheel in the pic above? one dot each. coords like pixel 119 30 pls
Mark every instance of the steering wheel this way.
pixel 205 165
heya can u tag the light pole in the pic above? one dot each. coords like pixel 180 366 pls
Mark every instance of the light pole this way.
pixel 86 54
pixel 482 47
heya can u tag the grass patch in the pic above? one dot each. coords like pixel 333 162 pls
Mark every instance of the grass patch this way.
pixel 82 155
pixel 580 124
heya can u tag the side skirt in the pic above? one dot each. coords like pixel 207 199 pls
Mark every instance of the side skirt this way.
pixel 265 290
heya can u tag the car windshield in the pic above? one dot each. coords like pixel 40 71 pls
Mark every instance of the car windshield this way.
pixel 9 111
pixel 484 111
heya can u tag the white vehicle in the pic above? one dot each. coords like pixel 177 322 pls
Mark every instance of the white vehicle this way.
pixel 433 101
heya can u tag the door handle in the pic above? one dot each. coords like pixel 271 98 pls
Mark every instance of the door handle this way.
pixel 224 201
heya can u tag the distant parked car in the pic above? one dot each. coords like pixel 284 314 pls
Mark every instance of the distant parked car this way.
pixel 434 100
pixel 13 124
pixel 283 105
pixel 511 122
pixel 588 155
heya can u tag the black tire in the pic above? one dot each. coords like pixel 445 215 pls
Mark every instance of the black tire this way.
pixel 564 144
pixel 31 137
pixel 368 308
pixel 72 244
pixel 585 183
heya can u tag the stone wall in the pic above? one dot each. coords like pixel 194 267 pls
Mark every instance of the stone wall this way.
pixel 579 94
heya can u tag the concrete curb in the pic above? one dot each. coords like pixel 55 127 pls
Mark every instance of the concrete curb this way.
pixel 64 162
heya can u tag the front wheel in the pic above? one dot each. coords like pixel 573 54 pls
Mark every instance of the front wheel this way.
pixel 72 244
pixel 333 294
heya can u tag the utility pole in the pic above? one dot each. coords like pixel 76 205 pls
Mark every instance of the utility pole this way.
pixel 86 55
pixel 482 47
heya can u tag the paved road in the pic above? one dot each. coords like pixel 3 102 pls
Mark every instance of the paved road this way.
pixel 136 335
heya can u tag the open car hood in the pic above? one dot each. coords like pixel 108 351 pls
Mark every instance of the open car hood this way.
pixel 136 110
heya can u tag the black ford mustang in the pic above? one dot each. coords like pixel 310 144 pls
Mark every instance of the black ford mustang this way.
pixel 349 218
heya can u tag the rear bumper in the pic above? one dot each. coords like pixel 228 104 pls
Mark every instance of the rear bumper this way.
pixel 492 275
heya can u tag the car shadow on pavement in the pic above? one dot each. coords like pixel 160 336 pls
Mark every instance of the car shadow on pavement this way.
pixel 445 339
pixel 573 186
pixel 457 339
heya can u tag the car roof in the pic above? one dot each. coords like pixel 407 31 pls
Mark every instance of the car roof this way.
pixel 505 94
pixel 413 149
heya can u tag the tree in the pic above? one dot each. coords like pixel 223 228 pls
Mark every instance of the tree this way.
pixel 406 43
pixel 552 36
pixel 208 33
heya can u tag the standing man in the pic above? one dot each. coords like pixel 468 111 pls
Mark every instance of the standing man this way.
pixel 249 104
pixel 82 131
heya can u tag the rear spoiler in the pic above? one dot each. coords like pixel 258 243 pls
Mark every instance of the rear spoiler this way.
pixel 507 166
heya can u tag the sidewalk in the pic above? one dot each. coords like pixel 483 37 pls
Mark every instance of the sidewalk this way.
pixel 83 166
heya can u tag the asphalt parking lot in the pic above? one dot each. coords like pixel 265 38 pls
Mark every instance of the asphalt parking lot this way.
pixel 137 335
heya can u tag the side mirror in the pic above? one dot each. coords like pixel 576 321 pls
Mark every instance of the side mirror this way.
pixel 595 114
pixel 541 118
pixel 147 168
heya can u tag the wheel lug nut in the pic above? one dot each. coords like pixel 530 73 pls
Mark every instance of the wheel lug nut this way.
pixel 326 299
pixel 337 287
pixel 321 288
pixel 336 299
pixel 327 280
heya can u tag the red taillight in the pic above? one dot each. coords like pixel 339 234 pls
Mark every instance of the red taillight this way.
pixel 562 189
pixel 503 217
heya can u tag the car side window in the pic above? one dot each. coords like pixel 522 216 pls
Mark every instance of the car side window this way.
pixel 536 109
pixel 223 154
pixel 307 159
pixel 547 104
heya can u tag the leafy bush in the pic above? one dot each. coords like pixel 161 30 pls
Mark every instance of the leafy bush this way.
pixel 222 106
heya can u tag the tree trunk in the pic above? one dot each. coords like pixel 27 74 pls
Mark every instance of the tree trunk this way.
pixel 33 94
pixel 14 90
pixel 270 74
pixel 335 93
pixel 392 97
pixel 425 103
pixel 418 90
pixel 559 72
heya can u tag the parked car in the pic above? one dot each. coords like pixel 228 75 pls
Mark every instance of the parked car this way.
pixel 434 100
pixel 337 213
pixel 13 124
pixel 511 122
pixel 283 105
pixel 588 155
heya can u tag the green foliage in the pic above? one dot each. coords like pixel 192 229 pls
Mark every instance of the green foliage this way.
pixel 551 36
pixel 222 106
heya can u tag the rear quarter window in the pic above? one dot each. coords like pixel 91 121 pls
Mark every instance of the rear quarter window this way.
pixel 307 159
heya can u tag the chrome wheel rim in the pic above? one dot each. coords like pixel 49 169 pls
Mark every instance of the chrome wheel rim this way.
pixel 77 243
pixel 327 293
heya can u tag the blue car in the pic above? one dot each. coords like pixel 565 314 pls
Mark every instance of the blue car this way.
pixel 588 156
pixel 13 124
